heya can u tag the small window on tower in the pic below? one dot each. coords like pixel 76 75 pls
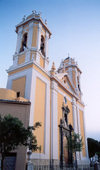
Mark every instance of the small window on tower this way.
pixel 42 46
pixel 24 42
pixel 18 94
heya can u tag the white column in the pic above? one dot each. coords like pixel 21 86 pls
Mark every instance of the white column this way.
pixel 79 129
pixel 84 159
pixel 38 43
pixel 74 108
pixel 54 122
pixel 46 44
pixel 30 35
pixel 74 115
pixel 39 37
pixel 78 118
pixel 15 60
pixel 19 39
pixel 46 62
pixel 27 56
pixel 86 147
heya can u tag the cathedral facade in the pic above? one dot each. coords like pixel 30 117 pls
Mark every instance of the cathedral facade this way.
pixel 48 91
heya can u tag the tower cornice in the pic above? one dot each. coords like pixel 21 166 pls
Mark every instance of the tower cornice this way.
pixel 33 18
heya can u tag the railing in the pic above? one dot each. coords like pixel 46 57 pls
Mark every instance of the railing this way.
pixel 57 167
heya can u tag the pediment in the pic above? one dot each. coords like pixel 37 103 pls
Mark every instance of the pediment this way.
pixel 65 80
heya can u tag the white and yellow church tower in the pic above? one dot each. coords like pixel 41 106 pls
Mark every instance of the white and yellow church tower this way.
pixel 47 90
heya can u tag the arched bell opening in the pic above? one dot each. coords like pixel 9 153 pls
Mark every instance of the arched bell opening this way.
pixel 24 42
pixel 42 46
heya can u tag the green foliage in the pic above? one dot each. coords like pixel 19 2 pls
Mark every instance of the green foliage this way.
pixel 13 134
pixel 93 147
pixel 75 142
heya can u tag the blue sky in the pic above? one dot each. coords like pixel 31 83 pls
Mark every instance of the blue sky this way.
pixel 75 27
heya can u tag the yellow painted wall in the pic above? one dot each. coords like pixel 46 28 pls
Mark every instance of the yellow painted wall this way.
pixel 64 91
pixel 7 94
pixel 41 62
pixel 39 111
pixel 34 39
pixel 82 133
pixel 21 59
pixel 70 116
pixel 29 66
pixel 60 101
pixel 74 79
pixel 25 28
pixel 41 72
pixel 18 85
pixel 20 69
pixel 34 55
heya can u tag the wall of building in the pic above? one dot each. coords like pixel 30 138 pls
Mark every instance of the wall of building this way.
pixel 21 111
pixel 61 95
pixel 18 85
pixel 39 112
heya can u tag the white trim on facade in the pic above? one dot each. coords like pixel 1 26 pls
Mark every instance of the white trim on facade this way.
pixel 74 115
pixel 65 95
pixel 19 39
pixel 35 75
pixel 30 35
pixel 54 121
pixel 28 74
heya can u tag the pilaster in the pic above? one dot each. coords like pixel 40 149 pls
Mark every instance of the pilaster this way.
pixel 46 63
pixel 46 44
pixel 27 56
pixel 54 124
pixel 15 60
pixel 79 130
pixel 19 39
pixel 38 43
pixel 74 115
pixel 30 35
pixel 38 37
pixel 86 147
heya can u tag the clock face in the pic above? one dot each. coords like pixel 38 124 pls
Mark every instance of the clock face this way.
pixel 65 100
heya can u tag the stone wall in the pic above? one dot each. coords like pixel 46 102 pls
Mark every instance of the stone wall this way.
pixel 20 110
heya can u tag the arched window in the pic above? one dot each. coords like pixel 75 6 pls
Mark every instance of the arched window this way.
pixel 24 42
pixel 78 83
pixel 65 100
pixel 42 46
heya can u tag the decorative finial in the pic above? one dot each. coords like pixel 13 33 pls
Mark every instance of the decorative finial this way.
pixel 34 12
pixel 24 18
pixel 39 13
pixel 53 68
pixel 45 21
pixel 68 55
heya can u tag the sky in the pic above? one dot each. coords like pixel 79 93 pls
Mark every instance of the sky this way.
pixel 75 27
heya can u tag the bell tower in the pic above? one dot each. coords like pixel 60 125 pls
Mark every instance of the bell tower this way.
pixel 31 49
pixel 32 42
pixel 29 76
pixel 70 67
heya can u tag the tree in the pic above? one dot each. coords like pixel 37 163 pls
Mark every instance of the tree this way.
pixel 93 147
pixel 74 144
pixel 13 134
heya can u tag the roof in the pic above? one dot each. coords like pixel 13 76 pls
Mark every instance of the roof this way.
pixel 36 17
pixel 10 95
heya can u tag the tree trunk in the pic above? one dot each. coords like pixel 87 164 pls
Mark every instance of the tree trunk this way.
pixel 2 160
pixel 75 160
